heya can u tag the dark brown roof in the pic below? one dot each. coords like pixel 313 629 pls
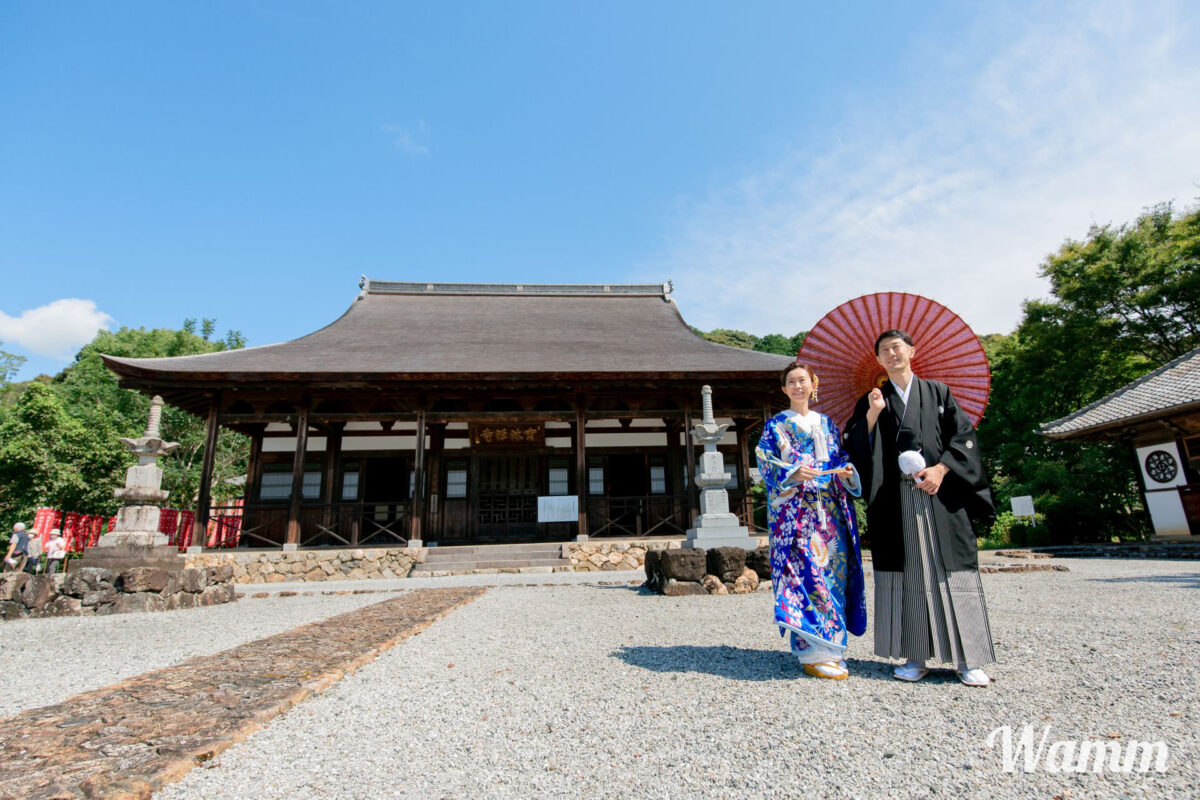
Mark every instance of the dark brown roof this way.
pixel 420 330
pixel 1171 389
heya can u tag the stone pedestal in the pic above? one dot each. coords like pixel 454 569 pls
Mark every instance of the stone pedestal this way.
pixel 117 557
pixel 716 526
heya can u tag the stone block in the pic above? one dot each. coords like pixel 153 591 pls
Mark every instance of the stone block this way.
pixel 684 565
pixel 760 561
pixel 143 579
pixel 99 597
pixel 138 601
pixel 63 606
pixel 11 609
pixel 39 591
pixel 726 563
pixel 181 600
pixel 713 585
pixel 683 588
pixel 653 566
pixel 12 584
pixel 193 580
pixel 220 574
pixel 214 595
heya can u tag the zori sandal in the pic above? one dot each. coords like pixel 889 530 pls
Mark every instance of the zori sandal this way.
pixel 827 669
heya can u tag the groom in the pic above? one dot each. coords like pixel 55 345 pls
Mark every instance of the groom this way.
pixel 928 597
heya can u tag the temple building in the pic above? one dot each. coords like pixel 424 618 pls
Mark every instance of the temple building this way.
pixel 1158 415
pixel 470 413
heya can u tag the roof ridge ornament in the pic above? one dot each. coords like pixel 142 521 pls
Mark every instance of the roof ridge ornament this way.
pixel 527 289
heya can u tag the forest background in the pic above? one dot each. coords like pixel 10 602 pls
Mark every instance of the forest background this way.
pixel 1123 301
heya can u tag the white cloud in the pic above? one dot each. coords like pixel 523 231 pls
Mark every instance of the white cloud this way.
pixel 56 330
pixel 958 189
pixel 408 140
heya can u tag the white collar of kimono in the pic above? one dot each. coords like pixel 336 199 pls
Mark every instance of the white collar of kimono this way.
pixel 810 423
pixel 904 392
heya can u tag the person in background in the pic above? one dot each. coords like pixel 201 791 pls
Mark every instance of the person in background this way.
pixel 56 552
pixel 18 543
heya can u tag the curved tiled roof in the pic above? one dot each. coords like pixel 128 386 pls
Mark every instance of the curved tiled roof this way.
pixel 426 330
pixel 1170 389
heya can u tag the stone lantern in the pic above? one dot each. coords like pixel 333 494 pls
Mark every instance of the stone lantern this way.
pixel 716 526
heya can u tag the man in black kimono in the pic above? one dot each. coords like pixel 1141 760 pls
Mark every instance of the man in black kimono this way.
pixel 928 597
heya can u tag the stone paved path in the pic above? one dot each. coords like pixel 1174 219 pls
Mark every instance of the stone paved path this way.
pixel 127 740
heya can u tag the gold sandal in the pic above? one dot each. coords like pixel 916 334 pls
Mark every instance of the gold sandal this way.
pixel 827 669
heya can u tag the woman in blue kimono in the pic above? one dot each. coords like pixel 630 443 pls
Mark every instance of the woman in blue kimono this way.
pixel 816 565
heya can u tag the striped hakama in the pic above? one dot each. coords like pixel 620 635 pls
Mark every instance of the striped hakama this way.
pixel 924 612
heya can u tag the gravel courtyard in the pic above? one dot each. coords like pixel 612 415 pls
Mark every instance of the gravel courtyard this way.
pixel 600 691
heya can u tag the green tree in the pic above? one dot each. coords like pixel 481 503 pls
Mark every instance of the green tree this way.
pixel 91 393
pixel 49 457
pixel 10 364
pixel 1125 300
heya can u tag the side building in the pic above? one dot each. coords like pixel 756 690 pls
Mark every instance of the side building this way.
pixel 1158 415
pixel 473 413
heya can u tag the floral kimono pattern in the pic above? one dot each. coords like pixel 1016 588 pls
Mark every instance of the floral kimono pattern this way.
pixel 816 564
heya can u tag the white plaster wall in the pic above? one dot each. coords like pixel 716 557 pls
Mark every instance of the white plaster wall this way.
pixel 1162 499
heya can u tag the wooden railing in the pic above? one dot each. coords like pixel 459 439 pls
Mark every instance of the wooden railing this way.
pixel 321 524
pixel 641 515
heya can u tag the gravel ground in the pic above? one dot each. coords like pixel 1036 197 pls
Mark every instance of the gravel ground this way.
pixel 45 661
pixel 601 692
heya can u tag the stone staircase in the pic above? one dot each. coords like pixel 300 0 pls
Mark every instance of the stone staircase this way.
pixel 491 559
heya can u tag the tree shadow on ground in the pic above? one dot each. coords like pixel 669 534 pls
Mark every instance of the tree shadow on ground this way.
pixel 737 663
pixel 1191 581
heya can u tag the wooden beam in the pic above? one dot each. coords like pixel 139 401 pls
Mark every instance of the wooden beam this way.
pixel 333 452
pixel 418 496
pixel 692 490
pixel 581 483
pixel 204 501
pixel 293 526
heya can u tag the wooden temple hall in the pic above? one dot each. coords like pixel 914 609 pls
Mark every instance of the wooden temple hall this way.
pixel 470 413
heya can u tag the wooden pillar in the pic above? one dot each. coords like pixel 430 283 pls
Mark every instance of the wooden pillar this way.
pixel 329 487
pixel 200 524
pixel 293 526
pixel 254 465
pixel 581 479
pixel 433 516
pixel 743 443
pixel 417 509
pixel 692 490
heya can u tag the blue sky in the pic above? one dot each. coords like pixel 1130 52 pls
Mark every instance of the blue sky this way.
pixel 249 160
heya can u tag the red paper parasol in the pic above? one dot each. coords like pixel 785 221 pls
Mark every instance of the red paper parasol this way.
pixel 841 350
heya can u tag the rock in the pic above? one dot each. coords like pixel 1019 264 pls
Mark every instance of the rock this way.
pixel 760 561
pixel 683 565
pixel 79 582
pixel 143 579
pixel 38 591
pixel 315 574
pixel 10 609
pixel 653 567
pixel 275 578
pixel 220 574
pixel 214 595
pixel 726 563
pixel 712 584
pixel 182 600
pixel 682 588
pixel 138 601
pixel 193 580
pixel 746 583
pixel 12 584
pixel 63 606
pixel 100 597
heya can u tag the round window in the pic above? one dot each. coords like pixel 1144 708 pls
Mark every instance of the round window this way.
pixel 1161 466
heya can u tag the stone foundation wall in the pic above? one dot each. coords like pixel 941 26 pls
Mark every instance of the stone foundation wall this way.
pixel 93 590
pixel 312 565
